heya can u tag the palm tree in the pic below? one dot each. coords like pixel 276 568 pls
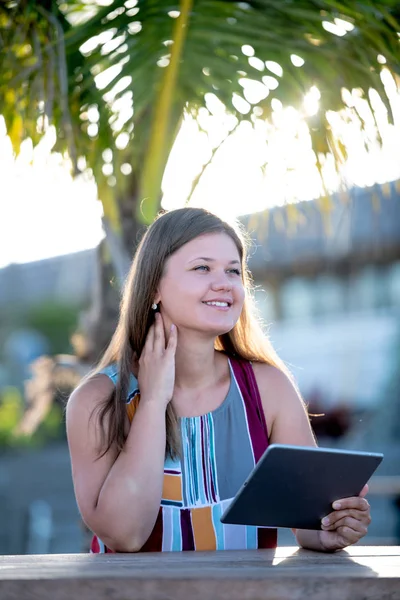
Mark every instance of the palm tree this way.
pixel 116 77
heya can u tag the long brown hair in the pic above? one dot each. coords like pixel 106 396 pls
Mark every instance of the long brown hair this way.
pixel 169 232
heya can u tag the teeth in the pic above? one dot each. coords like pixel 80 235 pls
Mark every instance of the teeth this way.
pixel 217 303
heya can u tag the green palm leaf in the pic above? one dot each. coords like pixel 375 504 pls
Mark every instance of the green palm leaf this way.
pixel 55 59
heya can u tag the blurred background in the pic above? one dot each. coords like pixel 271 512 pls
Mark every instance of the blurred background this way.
pixel 285 116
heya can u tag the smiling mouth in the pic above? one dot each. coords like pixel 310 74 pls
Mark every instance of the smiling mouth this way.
pixel 218 304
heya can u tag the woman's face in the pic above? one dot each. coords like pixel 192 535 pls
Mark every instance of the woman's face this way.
pixel 202 288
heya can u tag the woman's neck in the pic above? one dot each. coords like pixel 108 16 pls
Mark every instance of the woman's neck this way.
pixel 197 364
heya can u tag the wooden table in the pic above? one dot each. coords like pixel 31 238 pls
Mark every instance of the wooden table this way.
pixel 361 572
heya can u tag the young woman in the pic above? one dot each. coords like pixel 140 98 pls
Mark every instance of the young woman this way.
pixel 184 402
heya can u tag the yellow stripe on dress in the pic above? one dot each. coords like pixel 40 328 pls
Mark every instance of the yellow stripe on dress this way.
pixel 203 528
pixel 132 406
pixel 172 487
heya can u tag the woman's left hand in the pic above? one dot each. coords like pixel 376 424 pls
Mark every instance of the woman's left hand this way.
pixel 347 524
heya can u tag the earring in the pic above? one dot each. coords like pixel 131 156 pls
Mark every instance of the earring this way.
pixel 154 306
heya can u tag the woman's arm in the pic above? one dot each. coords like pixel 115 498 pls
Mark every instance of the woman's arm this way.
pixel 288 423
pixel 119 494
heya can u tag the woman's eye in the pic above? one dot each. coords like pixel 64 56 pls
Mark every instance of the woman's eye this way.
pixel 207 268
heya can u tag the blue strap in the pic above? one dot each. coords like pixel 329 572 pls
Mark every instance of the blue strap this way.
pixel 112 372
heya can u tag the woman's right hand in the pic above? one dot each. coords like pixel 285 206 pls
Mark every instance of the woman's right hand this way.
pixel 157 364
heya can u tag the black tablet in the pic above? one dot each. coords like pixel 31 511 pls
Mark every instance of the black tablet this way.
pixel 295 486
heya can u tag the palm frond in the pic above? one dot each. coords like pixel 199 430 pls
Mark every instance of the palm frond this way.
pixel 99 82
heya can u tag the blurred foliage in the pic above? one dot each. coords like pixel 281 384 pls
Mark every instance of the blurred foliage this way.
pixel 11 410
pixel 52 381
pixel 20 424
pixel 57 322
pixel 115 77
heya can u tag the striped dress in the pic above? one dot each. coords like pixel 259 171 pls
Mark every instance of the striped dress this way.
pixel 219 450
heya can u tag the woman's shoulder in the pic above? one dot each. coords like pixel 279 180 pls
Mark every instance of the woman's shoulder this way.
pixel 86 399
pixel 277 390
pixel 284 408
pixel 93 389
pixel 268 377
pixel 271 377
pixel 98 387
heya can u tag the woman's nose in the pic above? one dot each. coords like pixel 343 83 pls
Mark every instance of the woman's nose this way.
pixel 221 282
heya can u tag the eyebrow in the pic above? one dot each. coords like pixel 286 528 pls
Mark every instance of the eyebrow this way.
pixel 205 258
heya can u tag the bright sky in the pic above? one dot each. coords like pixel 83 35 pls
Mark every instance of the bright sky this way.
pixel 43 212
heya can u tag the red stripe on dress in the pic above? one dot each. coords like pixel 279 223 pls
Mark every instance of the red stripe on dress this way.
pixel 267 538
pixel 154 543
pixel 187 530
pixel 95 546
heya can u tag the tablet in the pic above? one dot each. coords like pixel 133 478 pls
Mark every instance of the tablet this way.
pixel 295 486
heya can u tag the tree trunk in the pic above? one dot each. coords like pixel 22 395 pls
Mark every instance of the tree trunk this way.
pixel 98 323
pixel 114 256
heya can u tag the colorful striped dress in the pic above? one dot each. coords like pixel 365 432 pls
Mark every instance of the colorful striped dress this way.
pixel 219 450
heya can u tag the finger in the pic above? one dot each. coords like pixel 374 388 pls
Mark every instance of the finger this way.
pixel 159 337
pixel 333 518
pixel 360 526
pixel 354 502
pixel 364 491
pixel 173 340
pixel 149 343
pixel 349 535
pixel 351 523
pixel 331 522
